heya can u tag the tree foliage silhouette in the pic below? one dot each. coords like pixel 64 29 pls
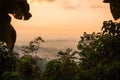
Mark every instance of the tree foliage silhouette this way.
pixel 114 7
pixel 8 64
pixel 100 57
pixel 20 10
pixel 33 46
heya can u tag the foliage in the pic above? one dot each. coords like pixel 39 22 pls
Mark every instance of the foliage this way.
pixel 8 63
pixel 18 8
pixel 10 76
pixel 102 57
pixel 114 7
pixel 99 57
pixel 63 68
pixel 33 46
pixel 28 68
pixel 13 67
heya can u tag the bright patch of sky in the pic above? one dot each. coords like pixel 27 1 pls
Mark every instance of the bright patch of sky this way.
pixel 66 18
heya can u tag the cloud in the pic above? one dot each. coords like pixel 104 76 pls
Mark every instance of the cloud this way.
pixel 69 4
pixel 75 4
pixel 70 7
pixel 81 4
pixel 66 4
pixel 97 6
pixel 41 0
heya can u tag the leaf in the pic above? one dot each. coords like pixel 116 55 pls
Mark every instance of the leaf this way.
pixel 106 1
pixel 115 9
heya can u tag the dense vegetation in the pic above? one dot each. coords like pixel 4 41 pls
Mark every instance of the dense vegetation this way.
pixel 98 59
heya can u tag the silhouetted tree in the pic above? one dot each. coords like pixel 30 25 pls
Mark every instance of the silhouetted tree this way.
pixel 62 68
pixel 29 69
pixel 33 46
pixel 9 62
pixel 114 7
pixel 20 10
pixel 101 57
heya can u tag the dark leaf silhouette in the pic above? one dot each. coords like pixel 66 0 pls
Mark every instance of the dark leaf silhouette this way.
pixel 20 10
pixel 114 7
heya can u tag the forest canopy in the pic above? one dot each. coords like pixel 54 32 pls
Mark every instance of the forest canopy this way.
pixel 99 56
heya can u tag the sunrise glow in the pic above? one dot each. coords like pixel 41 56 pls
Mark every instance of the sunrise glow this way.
pixel 62 20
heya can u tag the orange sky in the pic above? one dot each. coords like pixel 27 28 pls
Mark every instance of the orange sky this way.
pixel 61 19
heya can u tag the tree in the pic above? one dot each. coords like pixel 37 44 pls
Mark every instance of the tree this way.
pixel 28 68
pixel 20 10
pixel 101 57
pixel 9 62
pixel 33 46
pixel 62 68
pixel 114 7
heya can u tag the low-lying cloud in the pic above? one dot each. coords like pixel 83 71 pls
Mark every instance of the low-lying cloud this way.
pixel 41 0
pixel 74 4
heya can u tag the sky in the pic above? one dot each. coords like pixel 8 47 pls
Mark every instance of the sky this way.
pixel 62 19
